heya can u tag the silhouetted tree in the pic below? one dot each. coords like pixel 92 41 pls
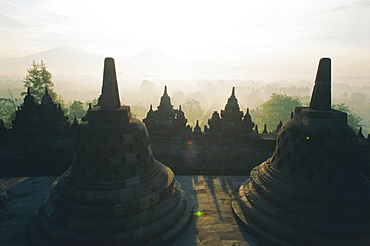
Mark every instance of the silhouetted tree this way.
pixel 276 109
pixel 38 78
pixel 76 109
pixel 7 110
pixel 193 111
pixel 93 103
pixel 8 106
pixel 138 111
pixel 352 119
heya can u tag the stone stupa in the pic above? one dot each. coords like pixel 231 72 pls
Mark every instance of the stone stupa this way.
pixel 115 192
pixel 311 191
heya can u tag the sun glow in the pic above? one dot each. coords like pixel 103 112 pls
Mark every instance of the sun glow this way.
pixel 257 34
pixel 177 28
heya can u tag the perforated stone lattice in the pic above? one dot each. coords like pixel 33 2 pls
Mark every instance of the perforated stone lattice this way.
pixel 115 193
pixel 293 139
pixel 311 192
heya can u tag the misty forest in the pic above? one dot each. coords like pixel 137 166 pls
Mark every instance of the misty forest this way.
pixel 269 103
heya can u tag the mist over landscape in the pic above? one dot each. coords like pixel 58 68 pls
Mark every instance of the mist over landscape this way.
pixel 77 76
pixel 260 48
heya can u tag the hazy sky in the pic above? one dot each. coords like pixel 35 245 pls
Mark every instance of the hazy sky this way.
pixel 266 30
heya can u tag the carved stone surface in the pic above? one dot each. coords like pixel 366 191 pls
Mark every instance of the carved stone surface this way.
pixel 311 191
pixel 3 196
pixel 115 192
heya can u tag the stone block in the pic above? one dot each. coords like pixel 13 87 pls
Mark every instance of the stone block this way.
pixel 132 181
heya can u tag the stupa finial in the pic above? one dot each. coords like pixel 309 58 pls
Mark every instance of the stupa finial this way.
pixel 321 95
pixel 109 97
pixel 265 129
pixel 233 92
pixel 165 90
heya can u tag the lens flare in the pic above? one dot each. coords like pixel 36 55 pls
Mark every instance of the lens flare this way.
pixel 198 213
pixel 191 153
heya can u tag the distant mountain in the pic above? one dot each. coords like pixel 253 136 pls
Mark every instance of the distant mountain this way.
pixel 154 61
pixel 151 53
pixel 73 61
pixel 61 60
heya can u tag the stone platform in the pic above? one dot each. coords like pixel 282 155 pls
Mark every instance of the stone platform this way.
pixel 213 222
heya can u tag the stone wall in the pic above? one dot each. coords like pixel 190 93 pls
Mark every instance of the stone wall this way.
pixel 211 156
pixel 35 155
pixel 52 155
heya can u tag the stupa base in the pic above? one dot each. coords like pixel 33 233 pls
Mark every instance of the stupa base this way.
pixel 38 237
pixel 266 226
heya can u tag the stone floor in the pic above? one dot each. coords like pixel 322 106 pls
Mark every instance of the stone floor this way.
pixel 213 222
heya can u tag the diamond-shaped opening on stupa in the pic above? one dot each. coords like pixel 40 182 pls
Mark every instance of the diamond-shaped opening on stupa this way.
pixel 123 159
pixel 292 169
pixel 279 164
pixel 329 176
pixel 138 157
pixel 89 139
pixel 106 161
pixel 139 135
pixel 296 147
pixel 323 131
pixel 115 173
pixel 121 138
pixel 104 140
pixel 83 149
pixel 319 164
pixel 285 143
pixel 310 174
pixel 303 160
pixel 287 156
pixel 82 172
pixel 345 178
pixel 130 148
pixel 133 169
pixel 113 150
pixel 313 150
pixel 294 135
pixel 90 160
pixel 98 174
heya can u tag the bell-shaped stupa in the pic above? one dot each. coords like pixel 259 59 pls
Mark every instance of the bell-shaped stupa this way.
pixel 115 192
pixel 311 191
